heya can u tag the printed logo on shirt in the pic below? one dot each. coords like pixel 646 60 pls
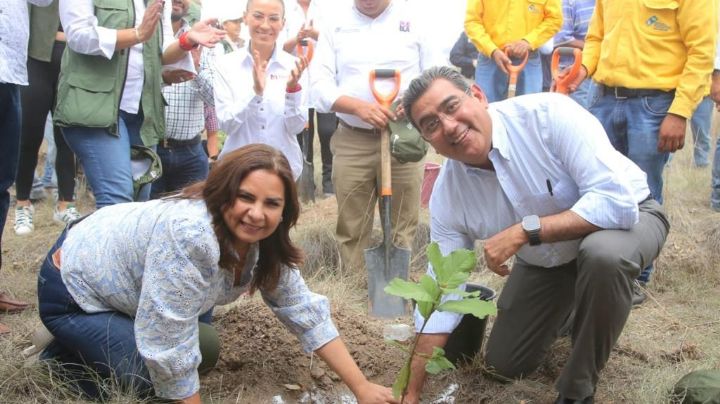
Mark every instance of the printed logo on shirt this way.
pixel 656 24
pixel 404 26
pixel 533 9
pixel 273 77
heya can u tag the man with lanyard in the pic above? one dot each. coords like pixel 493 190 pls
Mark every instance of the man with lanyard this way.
pixel 537 179
pixel 183 159
pixel 14 32
pixel 651 62
pixel 377 34
pixel 520 27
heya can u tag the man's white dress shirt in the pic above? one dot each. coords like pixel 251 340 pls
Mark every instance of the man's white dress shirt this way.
pixel 354 44
pixel 549 155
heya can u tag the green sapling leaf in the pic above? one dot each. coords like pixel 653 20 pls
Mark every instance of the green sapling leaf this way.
pixel 407 290
pixel 461 293
pixel 456 279
pixel 461 260
pixel 425 309
pixel 401 381
pixel 476 307
pixel 437 362
pixel 437 260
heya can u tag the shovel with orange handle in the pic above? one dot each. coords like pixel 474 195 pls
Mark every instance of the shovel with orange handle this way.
pixel 306 183
pixel 385 262
pixel 515 73
pixel 562 83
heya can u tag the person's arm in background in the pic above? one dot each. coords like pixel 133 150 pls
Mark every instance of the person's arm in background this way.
pixel 566 35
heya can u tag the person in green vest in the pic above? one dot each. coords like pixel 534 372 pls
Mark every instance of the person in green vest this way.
pixel 109 94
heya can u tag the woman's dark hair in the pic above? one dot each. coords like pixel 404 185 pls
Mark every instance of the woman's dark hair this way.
pixel 219 192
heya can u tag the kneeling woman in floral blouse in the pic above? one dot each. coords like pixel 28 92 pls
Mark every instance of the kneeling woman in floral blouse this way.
pixel 128 290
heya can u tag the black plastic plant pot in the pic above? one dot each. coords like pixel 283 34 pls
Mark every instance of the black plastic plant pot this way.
pixel 467 338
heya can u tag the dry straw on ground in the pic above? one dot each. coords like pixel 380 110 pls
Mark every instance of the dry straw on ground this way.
pixel 674 332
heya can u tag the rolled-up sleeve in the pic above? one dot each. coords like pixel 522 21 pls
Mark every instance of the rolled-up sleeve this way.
pixel 304 313
pixel 294 118
pixel 82 31
pixel 607 197
pixel 179 265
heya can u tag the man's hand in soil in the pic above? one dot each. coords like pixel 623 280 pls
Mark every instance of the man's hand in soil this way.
pixel 500 247
pixel 501 60
pixel 672 133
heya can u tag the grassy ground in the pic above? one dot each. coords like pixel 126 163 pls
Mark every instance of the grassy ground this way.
pixel 675 331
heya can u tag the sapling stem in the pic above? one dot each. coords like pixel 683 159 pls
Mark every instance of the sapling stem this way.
pixel 412 354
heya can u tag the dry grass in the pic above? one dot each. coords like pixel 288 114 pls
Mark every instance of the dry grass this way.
pixel 676 331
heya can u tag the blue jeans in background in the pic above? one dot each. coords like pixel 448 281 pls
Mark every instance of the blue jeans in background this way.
pixel 715 185
pixel 584 93
pixel 700 127
pixel 494 82
pixel 633 126
pixel 10 113
pixel 182 166
pixel 105 158
pixel 103 342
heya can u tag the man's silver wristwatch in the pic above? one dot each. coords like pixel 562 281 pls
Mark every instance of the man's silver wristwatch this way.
pixel 531 226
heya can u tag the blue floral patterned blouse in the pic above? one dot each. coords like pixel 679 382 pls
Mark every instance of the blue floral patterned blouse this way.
pixel 157 261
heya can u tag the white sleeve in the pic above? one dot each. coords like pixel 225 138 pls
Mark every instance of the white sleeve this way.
pixel 82 31
pixel 449 240
pixel 323 69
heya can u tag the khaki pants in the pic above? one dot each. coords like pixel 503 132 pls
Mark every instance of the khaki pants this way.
pixel 535 303
pixel 356 175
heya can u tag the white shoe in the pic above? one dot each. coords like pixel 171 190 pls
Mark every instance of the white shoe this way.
pixel 66 216
pixel 24 220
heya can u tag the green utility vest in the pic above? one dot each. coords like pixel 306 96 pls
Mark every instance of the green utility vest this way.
pixel 90 87
pixel 44 24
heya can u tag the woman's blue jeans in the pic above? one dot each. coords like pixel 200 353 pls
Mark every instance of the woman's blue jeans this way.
pixel 105 158
pixel 95 351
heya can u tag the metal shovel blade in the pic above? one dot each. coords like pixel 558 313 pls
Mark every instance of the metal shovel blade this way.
pixel 306 183
pixel 385 263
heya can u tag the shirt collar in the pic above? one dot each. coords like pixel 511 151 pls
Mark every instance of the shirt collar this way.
pixel 247 55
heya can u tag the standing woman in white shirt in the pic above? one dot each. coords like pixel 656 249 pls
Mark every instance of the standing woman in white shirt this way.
pixel 257 94
pixel 109 88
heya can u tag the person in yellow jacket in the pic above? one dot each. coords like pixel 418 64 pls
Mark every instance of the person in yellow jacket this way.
pixel 521 27
pixel 652 60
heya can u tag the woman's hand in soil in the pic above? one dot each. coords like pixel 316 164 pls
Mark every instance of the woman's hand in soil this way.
pixel 372 393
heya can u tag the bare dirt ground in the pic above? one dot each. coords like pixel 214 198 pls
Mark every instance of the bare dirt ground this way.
pixel 675 331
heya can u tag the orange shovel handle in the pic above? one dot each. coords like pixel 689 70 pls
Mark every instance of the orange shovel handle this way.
pixel 561 84
pixel 385 99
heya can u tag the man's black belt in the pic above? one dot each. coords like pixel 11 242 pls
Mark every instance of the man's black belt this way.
pixel 357 129
pixel 174 143
pixel 623 92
